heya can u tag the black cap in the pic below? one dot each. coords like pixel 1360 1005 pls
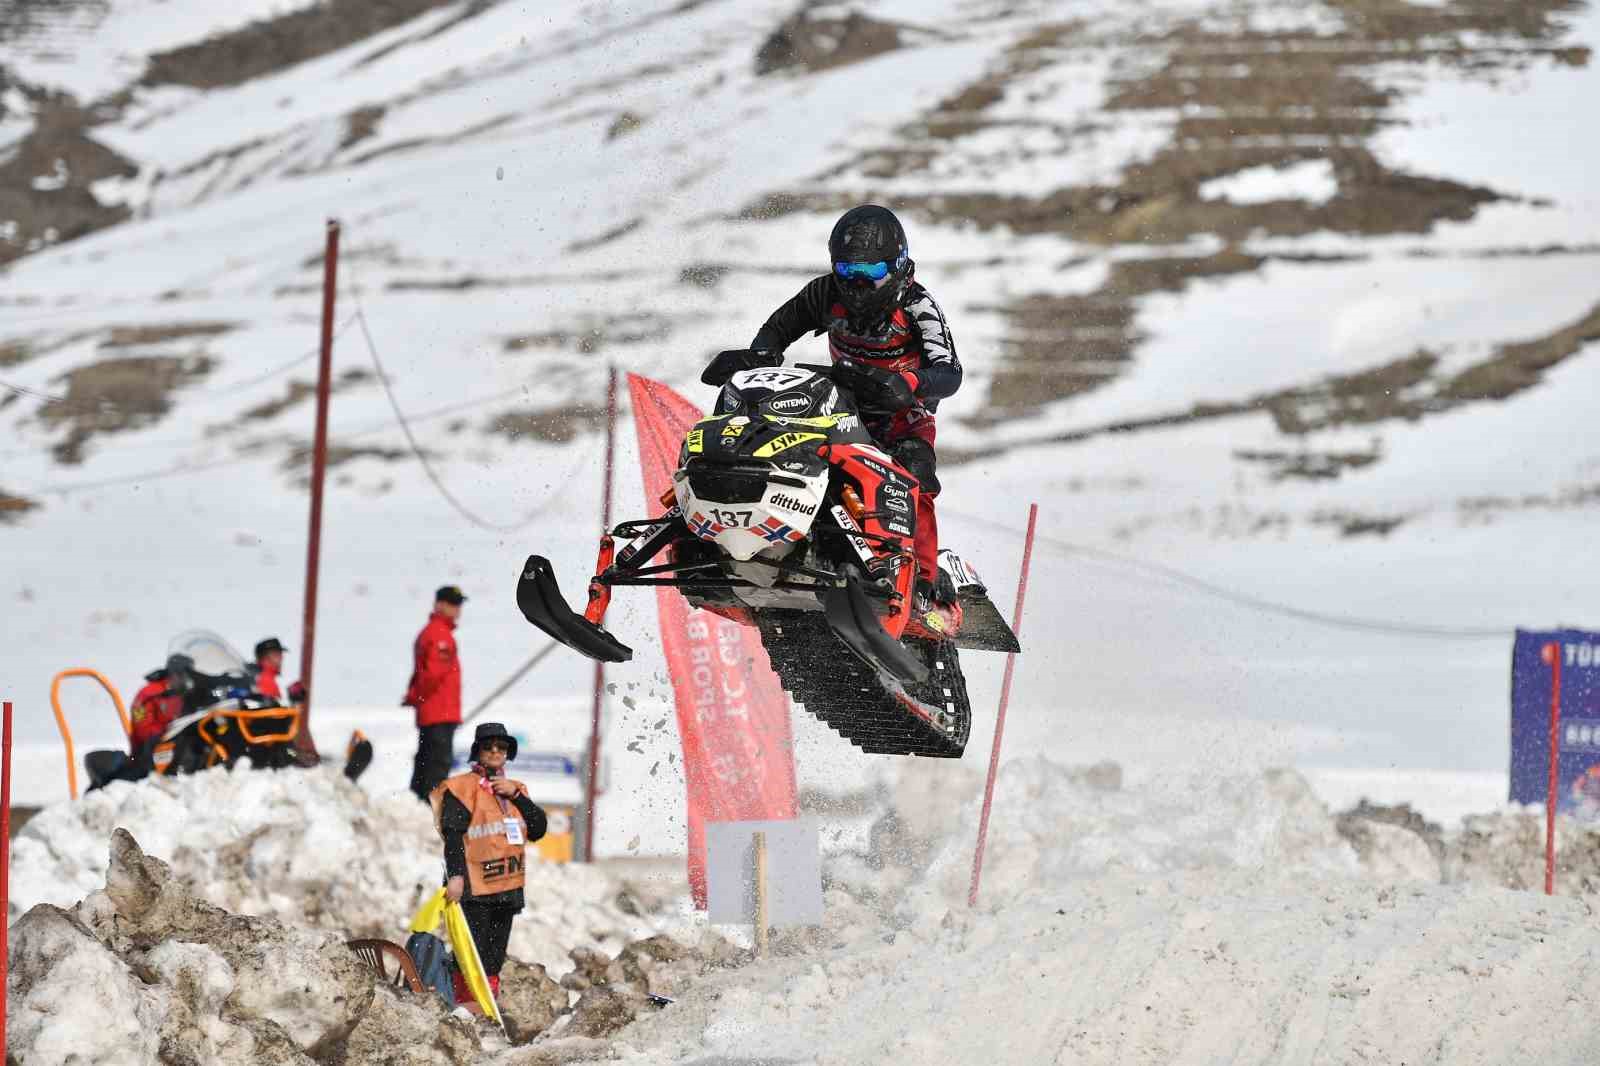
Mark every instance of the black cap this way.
pixel 270 644
pixel 449 594
pixel 492 731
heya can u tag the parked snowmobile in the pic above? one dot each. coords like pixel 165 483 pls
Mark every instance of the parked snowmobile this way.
pixel 223 720
pixel 786 516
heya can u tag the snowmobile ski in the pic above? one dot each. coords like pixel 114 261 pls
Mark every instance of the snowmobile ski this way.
pixel 543 605
pixel 853 619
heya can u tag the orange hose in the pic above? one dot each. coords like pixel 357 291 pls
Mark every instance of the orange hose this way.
pixel 61 719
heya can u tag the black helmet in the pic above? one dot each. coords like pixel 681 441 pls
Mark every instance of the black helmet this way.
pixel 869 237
pixel 492 731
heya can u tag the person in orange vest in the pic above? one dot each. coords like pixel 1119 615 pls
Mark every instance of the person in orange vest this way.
pixel 435 692
pixel 487 821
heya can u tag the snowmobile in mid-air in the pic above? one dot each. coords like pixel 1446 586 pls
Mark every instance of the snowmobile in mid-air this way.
pixel 785 515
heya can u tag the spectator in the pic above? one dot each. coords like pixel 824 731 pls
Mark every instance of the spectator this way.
pixel 487 821
pixel 269 664
pixel 157 703
pixel 435 692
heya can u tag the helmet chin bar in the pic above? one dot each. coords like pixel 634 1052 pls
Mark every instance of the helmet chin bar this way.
pixel 870 301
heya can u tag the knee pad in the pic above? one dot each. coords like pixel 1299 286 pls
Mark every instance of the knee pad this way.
pixel 917 456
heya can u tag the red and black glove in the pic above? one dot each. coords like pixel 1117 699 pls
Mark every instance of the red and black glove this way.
pixel 297 692
pixel 886 389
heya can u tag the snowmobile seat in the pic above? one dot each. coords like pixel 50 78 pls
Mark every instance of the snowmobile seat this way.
pixel 379 954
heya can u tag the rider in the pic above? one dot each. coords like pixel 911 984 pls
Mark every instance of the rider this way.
pixel 885 330
pixel 157 703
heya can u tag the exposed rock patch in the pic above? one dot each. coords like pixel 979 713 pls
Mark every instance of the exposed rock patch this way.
pixel 117 395
pixel 810 41
pixel 46 179
pixel 615 233
pixel 297 392
pixel 555 425
pixel 275 44
pixel 590 334
pixel 13 507
pixel 159 333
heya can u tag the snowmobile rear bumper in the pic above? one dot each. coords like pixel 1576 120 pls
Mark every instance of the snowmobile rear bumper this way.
pixel 543 605
pixel 851 616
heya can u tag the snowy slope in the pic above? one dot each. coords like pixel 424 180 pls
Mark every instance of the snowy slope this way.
pixel 506 237
pixel 1184 921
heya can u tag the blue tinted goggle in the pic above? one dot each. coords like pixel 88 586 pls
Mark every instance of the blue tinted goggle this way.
pixel 872 271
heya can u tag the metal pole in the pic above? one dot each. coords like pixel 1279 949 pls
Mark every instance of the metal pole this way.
pixel 591 791
pixel 1552 655
pixel 319 466
pixel 1000 720
pixel 761 894
pixel 5 871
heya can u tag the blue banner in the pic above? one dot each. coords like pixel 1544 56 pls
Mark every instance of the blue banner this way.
pixel 1574 663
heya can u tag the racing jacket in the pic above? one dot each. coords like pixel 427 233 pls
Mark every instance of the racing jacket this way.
pixel 435 688
pixel 154 708
pixel 267 682
pixel 912 340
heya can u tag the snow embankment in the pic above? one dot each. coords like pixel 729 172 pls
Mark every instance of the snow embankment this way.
pixel 1173 921
pixel 311 849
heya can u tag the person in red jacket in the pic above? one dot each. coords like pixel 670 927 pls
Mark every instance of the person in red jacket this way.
pixel 156 705
pixel 269 664
pixel 435 691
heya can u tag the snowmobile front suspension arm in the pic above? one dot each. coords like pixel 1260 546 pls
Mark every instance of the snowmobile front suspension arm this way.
pixel 649 537
pixel 600 591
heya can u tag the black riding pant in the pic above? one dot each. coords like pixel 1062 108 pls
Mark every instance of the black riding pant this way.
pixel 491 931
pixel 435 749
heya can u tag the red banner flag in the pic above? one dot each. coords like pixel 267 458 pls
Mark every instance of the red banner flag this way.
pixel 738 752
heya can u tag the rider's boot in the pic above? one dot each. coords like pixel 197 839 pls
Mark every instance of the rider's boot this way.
pixel 935 609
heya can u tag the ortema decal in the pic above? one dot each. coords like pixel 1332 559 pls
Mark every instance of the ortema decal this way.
pixel 783 442
pixel 790 403
pixel 789 503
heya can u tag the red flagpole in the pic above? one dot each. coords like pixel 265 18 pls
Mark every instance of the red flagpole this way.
pixel 319 466
pixel 591 788
pixel 5 872
pixel 1000 720
pixel 1552 655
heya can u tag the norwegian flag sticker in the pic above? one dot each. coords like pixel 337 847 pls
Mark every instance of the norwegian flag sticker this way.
pixel 703 527
pixel 778 532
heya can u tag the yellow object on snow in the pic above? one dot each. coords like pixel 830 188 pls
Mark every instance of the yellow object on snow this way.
pixel 462 944
pixel 468 962
pixel 428 918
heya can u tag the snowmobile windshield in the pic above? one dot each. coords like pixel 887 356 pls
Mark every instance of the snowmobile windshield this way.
pixel 786 392
pixel 210 653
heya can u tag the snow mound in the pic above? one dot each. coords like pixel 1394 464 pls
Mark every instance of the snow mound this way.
pixel 1150 921
pixel 1056 825
pixel 311 849
pixel 174 979
pixel 1506 850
